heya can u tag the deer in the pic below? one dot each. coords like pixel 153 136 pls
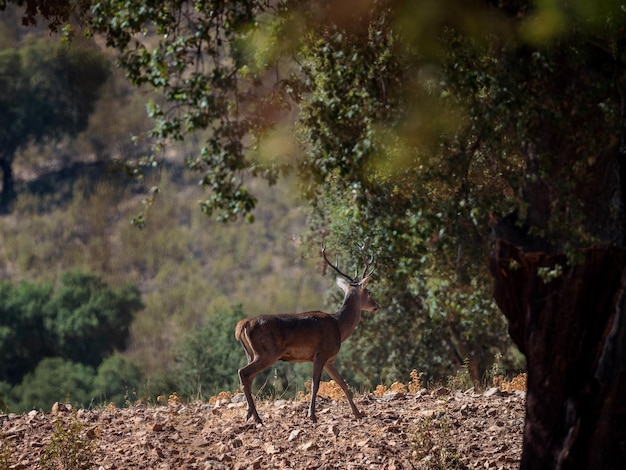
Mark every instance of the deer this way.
pixel 313 336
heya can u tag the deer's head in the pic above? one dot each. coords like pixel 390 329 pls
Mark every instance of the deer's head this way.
pixel 356 287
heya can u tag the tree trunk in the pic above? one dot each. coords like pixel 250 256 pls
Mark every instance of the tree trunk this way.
pixel 8 195
pixel 570 322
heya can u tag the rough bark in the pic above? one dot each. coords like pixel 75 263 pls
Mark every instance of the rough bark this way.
pixel 572 329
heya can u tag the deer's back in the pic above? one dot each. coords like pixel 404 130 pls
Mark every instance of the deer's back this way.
pixel 291 337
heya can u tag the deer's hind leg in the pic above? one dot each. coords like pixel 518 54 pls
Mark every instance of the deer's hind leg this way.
pixel 247 374
pixel 246 377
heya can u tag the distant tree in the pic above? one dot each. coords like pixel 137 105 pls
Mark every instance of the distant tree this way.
pixel 47 91
pixel 118 381
pixel 24 338
pixel 54 379
pixel 88 319
pixel 83 320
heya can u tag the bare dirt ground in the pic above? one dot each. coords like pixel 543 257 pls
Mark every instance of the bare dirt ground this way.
pixel 437 429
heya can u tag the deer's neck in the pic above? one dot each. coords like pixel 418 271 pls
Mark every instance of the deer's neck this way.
pixel 349 315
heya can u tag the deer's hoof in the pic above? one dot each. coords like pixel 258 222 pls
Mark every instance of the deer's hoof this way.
pixel 254 416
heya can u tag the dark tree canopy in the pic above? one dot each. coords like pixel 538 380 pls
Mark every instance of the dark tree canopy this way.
pixel 47 91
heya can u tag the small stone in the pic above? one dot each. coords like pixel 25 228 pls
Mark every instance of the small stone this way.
pixel 491 392
pixel 200 442
pixel 158 427
pixel 93 432
pixel 236 443
pixel 157 452
pixel 294 434
pixel 225 458
pixel 271 449
pixel 393 396
pixel 238 398
pixel 311 445
pixel 60 408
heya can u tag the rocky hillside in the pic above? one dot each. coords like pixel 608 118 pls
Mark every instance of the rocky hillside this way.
pixel 424 430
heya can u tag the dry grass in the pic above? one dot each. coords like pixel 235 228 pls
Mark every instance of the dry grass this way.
pixel 516 383
pixel 220 397
pixel 332 391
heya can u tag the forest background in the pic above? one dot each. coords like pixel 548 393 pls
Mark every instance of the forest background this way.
pixel 95 310
pixel 162 301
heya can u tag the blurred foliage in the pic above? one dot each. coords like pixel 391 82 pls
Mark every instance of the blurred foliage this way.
pixel 118 381
pixel 82 320
pixel 199 82
pixel 205 357
pixel 51 339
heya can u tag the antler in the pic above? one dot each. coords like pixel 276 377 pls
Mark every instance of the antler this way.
pixel 336 266
pixel 365 274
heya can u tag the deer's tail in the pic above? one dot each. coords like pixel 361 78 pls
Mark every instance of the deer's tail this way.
pixel 241 334
pixel 239 329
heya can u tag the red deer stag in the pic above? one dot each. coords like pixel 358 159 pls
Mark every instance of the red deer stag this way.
pixel 305 337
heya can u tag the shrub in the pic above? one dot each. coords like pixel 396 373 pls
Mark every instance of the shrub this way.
pixel 54 379
pixel 118 380
pixel 69 449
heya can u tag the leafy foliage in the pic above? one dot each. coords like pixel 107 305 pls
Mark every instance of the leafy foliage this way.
pixel 90 320
pixel 196 58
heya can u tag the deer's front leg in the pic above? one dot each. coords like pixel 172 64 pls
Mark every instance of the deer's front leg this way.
pixel 334 374
pixel 318 367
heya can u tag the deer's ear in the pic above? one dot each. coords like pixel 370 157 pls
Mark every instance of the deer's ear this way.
pixel 343 284
pixel 364 282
